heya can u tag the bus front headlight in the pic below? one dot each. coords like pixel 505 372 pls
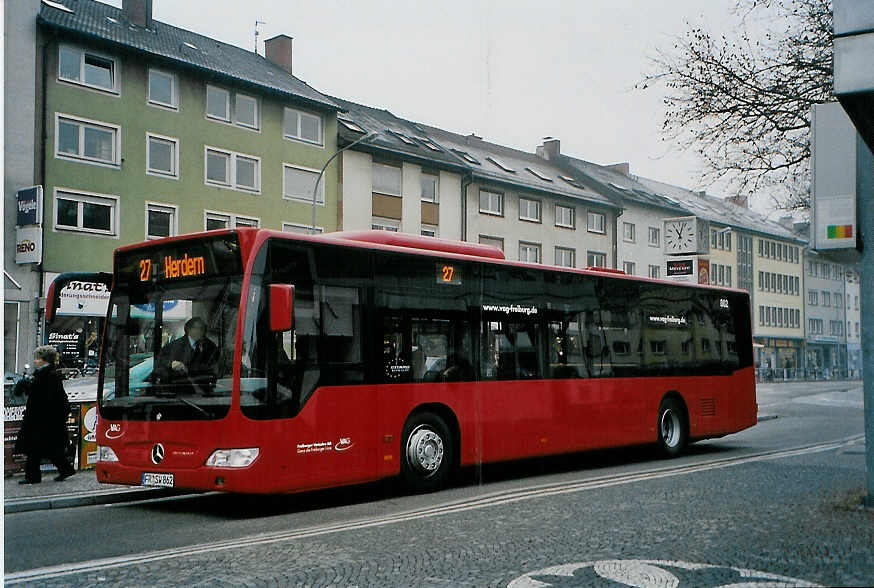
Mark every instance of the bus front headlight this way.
pixel 233 458
pixel 105 453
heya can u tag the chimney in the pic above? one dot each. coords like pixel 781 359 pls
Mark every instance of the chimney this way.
pixel 741 200
pixel 138 12
pixel 550 149
pixel 278 50
pixel 623 168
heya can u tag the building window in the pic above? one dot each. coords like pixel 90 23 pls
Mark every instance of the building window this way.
pixel 246 111
pixel 88 69
pixel 491 203
pixel 232 170
pixel 529 252
pixel 218 103
pixel 298 184
pixel 161 220
pixel 597 222
pixel 565 257
pixel 385 224
pixel 430 185
pixel 654 236
pixel 493 241
pixel 300 229
pixel 812 297
pixel 565 216
pixel 628 267
pixel 302 126
pixel 655 271
pixel 85 140
pixel 162 156
pixel 628 232
pixel 386 179
pixel 826 298
pixel 596 259
pixel 88 213
pixel 529 210
pixel 224 220
pixel 162 89
pixel 428 230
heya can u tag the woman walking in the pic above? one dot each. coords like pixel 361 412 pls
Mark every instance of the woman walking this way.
pixel 44 428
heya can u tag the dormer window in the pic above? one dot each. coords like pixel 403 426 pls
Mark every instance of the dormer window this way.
pixel 466 156
pixel 350 125
pixel 501 164
pixel 571 181
pixel 402 137
pixel 537 174
pixel 429 144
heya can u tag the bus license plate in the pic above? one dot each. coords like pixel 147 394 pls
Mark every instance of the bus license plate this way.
pixel 164 480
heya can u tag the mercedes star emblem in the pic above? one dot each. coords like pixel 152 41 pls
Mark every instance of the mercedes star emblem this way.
pixel 157 453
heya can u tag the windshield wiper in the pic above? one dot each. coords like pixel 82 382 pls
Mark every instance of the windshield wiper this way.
pixel 195 406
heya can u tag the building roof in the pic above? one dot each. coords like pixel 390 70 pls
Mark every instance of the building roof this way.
pixel 625 186
pixel 105 23
pixel 486 161
pixel 389 133
pixel 722 212
pixel 492 162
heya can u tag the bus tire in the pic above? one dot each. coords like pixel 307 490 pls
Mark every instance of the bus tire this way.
pixel 427 452
pixel 672 427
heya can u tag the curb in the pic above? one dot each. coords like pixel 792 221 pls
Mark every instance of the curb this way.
pixel 16 505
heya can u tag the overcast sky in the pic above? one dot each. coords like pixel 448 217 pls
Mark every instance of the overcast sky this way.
pixel 512 71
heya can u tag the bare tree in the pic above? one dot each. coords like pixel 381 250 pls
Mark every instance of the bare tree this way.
pixel 742 101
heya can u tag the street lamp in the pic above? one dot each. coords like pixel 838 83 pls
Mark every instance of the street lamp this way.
pixel 324 167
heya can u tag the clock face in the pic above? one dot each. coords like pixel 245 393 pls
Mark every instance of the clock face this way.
pixel 680 236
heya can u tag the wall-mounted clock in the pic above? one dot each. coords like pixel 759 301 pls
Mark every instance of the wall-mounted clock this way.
pixel 686 235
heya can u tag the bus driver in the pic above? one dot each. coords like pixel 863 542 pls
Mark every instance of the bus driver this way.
pixel 192 358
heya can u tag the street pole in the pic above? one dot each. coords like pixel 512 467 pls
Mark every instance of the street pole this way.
pixel 321 173
pixel 865 208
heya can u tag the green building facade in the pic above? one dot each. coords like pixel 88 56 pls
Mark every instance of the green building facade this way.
pixel 143 142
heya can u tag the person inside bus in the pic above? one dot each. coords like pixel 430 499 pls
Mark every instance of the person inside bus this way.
pixel 190 359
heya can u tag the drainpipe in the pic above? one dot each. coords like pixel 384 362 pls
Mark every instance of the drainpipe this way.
pixel 466 181
pixel 616 238
pixel 42 182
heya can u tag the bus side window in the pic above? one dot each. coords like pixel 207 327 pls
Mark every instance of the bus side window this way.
pixel 510 351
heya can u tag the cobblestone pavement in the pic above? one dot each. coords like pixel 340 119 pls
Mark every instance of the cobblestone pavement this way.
pixel 794 517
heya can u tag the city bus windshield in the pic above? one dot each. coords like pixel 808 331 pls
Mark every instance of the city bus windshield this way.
pixel 169 345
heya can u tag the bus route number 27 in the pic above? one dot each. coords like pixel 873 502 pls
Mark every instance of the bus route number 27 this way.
pixel 145 269
pixel 448 274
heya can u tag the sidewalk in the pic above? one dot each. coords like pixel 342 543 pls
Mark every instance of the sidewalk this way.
pixel 80 490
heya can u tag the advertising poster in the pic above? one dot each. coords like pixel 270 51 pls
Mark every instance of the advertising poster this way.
pixel 88 441
pixel 703 271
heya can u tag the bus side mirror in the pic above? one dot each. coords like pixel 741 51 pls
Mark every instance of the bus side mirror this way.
pixel 281 307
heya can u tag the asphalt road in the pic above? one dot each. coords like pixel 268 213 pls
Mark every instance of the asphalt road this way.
pixel 772 504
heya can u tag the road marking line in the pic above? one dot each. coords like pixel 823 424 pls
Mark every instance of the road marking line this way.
pixel 489 500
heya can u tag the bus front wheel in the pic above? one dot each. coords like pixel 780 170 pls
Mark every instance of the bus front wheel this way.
pixel 673 428
pixel 427 452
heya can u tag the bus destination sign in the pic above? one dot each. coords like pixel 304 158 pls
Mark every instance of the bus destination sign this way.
pixel 174 267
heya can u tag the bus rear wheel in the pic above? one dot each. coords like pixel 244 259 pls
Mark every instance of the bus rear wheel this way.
pixel 427 452
pixel 673 428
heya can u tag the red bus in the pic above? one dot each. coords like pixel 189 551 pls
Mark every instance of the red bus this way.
pixel 349 357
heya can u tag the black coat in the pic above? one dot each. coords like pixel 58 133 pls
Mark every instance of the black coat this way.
pixel 44 428
pixel 198 367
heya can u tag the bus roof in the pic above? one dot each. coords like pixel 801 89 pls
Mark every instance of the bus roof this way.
pixel 392 241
